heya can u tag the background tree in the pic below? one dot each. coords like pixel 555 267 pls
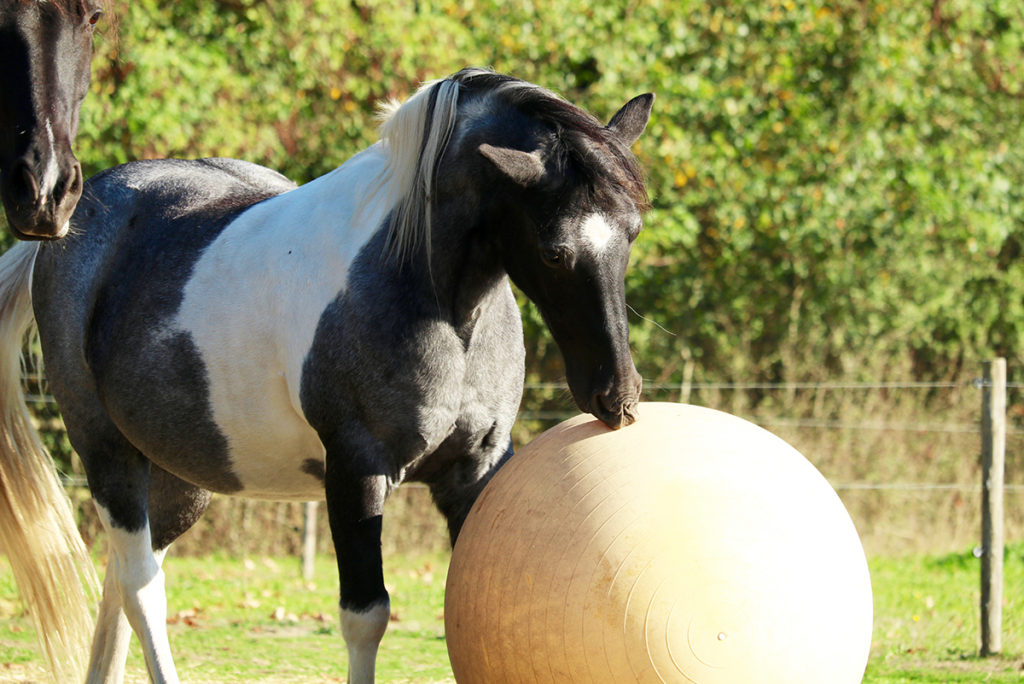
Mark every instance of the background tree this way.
pixel 836 186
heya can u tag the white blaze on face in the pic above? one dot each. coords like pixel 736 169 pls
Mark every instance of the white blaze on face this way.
pixel 49 180
pixel 596 232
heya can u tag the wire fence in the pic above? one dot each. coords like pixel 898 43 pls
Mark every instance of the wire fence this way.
pixel 772 421
pixel 767 421
pixel 946 497
pixel 903 455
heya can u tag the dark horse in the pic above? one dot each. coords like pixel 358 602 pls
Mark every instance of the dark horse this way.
pixel 45 51
pixel 209 327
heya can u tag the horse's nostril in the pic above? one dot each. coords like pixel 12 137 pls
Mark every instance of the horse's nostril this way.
pixel 67 194
pixel 74 187
pixel 23 188
pixel 629 413
pixel 607 410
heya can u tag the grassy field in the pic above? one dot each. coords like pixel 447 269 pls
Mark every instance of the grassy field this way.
pixel 256 620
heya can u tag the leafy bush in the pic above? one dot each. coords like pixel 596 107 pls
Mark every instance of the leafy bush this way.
pixel 836 186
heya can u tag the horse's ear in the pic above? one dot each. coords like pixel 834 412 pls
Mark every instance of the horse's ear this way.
pixel 630 121
pixel 523 168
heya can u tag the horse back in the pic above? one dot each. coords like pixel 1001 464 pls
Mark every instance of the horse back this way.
pixel 134 222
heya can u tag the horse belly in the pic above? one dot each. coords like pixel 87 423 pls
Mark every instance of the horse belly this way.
pixel 226 422
pixel 273 451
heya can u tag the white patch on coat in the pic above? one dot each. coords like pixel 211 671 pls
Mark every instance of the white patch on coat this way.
pixel 596 231
pixel 252 306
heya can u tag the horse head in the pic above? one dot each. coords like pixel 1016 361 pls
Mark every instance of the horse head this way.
pixel 566 201
pixel 45 52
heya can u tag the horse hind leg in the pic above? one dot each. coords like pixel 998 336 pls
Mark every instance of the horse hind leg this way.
pixel 119 479
pixel 139 582
pixel 113 633
pixel 111 637
pixel 174 506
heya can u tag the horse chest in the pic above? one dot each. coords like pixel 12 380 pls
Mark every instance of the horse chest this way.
pixel 403 388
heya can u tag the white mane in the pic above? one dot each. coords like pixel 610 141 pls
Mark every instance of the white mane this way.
pixel 414 136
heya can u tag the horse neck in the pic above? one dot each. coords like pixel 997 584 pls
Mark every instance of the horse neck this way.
pixel 463 271
pixel 451 275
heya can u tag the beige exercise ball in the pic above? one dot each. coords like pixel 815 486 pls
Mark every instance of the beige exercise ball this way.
pixel 692 546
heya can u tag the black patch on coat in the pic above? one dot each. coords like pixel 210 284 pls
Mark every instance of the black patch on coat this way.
pixel 315 467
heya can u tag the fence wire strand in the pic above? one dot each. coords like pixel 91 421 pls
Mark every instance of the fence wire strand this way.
pixel 764 421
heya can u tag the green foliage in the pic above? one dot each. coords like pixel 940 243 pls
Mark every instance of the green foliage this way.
pixel 836 186
pixel 291 85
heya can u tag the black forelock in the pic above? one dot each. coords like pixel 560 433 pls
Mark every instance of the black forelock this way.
pixel 597 152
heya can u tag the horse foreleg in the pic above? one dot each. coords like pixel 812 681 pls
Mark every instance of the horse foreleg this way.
pixel 455 489
pixel 139 581
pixel 355 504
pixel 363 631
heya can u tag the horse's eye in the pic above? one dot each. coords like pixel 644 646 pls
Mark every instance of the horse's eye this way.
pixel 95 17
pixel 556 257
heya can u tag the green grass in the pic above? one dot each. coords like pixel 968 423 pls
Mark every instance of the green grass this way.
pixel 927 621
pixel 255 620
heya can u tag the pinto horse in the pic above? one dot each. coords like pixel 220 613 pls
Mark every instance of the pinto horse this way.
pixel 208 327
pixel 45 51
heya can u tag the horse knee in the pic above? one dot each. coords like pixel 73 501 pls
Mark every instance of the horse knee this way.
pixel 363 631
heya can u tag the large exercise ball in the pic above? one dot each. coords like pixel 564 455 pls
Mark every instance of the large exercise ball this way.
pixel 691 546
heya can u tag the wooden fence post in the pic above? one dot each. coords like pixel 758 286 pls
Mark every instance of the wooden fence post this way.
pixel 308 539
pixel 993 453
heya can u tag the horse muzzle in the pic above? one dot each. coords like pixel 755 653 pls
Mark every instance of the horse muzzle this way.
pixel 617 406
pixel 39 205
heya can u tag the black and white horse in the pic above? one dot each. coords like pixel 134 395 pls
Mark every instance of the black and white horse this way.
pixel 45 51
pixel 208 327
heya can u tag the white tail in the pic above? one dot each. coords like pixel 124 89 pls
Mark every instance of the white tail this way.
pixel 52 567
